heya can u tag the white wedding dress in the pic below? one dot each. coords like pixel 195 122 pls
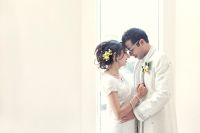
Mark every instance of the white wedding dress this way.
pixel 124 89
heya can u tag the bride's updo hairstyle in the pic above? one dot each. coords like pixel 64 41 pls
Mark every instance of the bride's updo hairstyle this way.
pixel 106 52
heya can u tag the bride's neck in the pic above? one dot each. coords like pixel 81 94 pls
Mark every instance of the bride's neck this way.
pixel 113 71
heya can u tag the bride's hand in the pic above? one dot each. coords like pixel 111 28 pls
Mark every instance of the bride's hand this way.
pixel 128 117
pixel 141 91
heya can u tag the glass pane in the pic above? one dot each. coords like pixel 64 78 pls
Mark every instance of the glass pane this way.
pixel 117 16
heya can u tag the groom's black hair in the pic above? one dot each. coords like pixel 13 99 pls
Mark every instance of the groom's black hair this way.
pixel 134 34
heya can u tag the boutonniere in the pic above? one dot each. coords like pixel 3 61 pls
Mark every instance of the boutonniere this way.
pixel 147 67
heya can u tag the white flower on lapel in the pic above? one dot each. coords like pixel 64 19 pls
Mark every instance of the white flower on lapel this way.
pixel 147 67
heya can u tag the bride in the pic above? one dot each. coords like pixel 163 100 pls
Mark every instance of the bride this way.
pixel 111 56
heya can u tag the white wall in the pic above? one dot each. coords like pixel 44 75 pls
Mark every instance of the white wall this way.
pixel 88 67
pixel 181 42
pixel 40 73
pixel 187 65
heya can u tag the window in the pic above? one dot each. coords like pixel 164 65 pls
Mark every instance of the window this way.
pixel 115 17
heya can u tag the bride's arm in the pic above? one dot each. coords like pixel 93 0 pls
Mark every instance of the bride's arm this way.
pixel 121 111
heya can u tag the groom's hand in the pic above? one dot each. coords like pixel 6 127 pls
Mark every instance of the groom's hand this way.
pixel 128 117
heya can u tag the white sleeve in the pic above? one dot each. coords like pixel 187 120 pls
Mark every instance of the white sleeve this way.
pixel 109 85
pixel 160 96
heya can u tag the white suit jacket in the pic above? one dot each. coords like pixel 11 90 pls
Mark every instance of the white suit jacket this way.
pixel 156 111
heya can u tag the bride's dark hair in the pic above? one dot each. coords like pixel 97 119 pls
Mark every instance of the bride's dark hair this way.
pixel 112 47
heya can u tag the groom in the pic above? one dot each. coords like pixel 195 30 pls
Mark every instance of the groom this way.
pixel 156 112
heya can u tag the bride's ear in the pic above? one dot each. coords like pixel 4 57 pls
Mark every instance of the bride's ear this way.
pixel 115 57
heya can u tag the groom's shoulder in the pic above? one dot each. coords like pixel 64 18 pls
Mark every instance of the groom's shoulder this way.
pixel 159 58
pixel 160 55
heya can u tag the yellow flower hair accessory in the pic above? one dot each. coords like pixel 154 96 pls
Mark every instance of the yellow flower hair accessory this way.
pixel 107 54
pixel 146 67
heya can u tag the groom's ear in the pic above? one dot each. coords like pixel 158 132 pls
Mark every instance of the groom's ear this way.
pixel 141 42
